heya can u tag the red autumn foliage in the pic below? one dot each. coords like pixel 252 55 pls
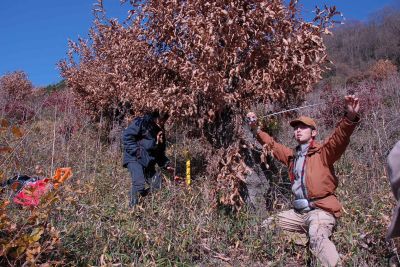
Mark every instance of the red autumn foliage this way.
pixel 333 109
pixel 383 69
pixel 15 87
pixel 62 102
pixel 378 71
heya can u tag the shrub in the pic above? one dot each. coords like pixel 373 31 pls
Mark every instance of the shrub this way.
pixel 14 90
pixel 15 85
pixel 382 69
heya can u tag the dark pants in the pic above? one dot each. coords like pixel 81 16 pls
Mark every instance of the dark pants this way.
pixel 141 175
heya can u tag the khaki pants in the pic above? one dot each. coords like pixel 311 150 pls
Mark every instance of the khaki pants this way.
pixel 317 224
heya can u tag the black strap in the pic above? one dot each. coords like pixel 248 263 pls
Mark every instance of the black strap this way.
pixel 319 198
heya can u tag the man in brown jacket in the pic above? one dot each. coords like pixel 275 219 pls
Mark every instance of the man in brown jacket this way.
pixel 316 207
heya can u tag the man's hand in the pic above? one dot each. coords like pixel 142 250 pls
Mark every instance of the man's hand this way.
pixel 160 138
pixel 170 169
pixel 352 106
pixel 252 120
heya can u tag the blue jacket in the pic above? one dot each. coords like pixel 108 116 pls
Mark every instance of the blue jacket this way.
pixel 139 141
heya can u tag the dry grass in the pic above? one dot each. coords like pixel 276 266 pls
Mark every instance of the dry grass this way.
pixel 179 226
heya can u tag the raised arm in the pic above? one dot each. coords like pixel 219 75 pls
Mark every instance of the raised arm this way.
pixel 279 151
pixel 335 145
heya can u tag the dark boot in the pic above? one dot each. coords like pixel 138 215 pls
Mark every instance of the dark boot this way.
pixel 145 192
pixel 134 199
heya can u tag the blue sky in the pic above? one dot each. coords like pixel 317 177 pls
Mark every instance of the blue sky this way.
pixel 34 33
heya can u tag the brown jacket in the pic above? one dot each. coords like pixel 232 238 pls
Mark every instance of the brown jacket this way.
pixel 320 179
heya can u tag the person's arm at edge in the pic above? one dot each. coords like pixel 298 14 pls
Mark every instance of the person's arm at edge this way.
pixel 393 160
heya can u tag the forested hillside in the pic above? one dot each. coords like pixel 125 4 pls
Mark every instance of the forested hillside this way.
pixel 355 46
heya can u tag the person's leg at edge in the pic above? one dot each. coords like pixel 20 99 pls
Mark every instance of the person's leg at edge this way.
pixel 320 228
pixel 138 182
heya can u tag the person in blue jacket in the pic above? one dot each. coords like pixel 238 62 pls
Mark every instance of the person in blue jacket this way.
pixel 144 147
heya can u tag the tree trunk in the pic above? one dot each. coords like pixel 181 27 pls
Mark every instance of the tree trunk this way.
pixel 222 134
pixel 258 181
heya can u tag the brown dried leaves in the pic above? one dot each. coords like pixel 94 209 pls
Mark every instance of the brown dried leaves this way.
pixel 175 53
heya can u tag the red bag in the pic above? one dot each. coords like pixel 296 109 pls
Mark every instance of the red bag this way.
pixel 32 192
pixel 29 190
